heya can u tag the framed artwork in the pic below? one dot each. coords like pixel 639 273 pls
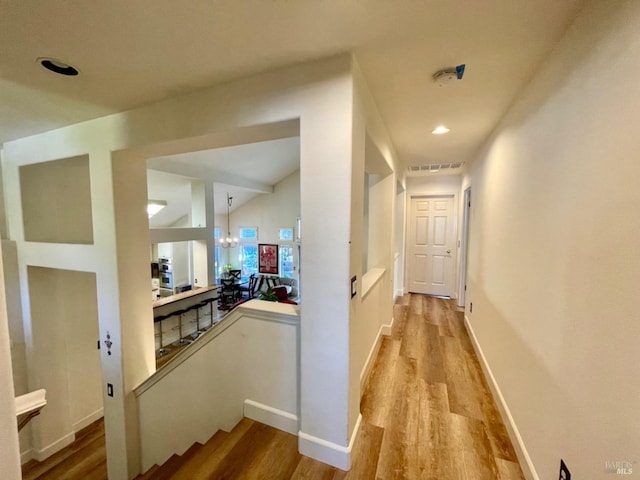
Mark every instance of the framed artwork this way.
pixel 268 258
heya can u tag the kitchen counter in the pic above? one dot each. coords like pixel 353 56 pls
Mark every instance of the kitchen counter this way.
pixel 183 296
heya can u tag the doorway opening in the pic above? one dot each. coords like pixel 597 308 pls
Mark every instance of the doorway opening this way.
pixel 464 248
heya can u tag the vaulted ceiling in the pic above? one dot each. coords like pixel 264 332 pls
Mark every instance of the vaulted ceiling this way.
pixel 133 52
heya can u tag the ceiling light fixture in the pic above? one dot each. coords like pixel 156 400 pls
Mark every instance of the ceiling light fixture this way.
pixel 440 130
pixel 228 242
pixel 56 66
pixel 154 206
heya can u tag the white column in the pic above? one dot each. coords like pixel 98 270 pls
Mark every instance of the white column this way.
pixel 9 446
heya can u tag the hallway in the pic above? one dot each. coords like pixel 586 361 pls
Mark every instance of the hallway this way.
pixel 428 392
pixel 427 413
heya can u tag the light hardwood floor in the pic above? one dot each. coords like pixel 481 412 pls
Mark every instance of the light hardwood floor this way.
pixel 427 414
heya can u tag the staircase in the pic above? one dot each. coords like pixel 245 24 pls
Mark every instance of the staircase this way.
pixel 246 365
pixel 200 461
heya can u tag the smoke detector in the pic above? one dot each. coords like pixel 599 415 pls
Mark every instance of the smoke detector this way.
pixel 446 76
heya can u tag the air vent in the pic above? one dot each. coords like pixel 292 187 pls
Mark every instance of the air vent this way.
pixel 434 167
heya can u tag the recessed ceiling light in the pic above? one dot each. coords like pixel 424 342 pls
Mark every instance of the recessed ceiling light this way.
pixel 440 130
pixel 56 66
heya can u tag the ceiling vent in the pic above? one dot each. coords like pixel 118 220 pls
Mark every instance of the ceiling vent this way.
pixel 435 167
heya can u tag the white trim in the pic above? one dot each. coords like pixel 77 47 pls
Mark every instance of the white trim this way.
pixel 27 455
pixel 88 420
pixel 464 246
pixel 44 453
pixel 285 421
pixel 521 450
pixel 399 292
pixel 370 279
pixel 455 194
pixel 328 452
pixel 373 353
pixel 257 309
pixel 386 329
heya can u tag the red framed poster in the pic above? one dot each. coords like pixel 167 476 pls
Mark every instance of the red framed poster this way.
pixel 268 258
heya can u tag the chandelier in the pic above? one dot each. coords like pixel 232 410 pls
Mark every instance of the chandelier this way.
pixel 228 242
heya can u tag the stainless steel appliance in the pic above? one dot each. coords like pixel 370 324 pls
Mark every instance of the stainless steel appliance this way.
pixel 164 265
pixel 166 280
pixel 166 273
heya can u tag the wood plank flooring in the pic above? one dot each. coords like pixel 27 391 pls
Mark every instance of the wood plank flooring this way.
pixel 427 414
pixel 84 459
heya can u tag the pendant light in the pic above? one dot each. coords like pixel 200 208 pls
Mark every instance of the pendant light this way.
pixel 229 242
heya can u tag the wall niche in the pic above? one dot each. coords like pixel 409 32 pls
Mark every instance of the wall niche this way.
pixel 56 201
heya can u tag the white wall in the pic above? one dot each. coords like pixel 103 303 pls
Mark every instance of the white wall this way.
pixel 16 333
pixel 64 331
pixel 373 152
pixel 399 240
pixel 380 226
pixel 269 212
pixel 316 101
pixel 9 448
pixel 553 263
pixel 440 185
pixel 252 355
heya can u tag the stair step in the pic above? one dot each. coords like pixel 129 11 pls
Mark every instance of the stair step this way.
pixel 149 473
pixel 175 463
pixel 188 469
pixel 214 451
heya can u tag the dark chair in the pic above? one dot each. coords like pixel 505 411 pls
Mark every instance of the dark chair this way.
pixel 235 274
pixel 249 289
pixel 227 293
pixel 208 302
pixel 199 331
pixel 181 340
pixel 162 350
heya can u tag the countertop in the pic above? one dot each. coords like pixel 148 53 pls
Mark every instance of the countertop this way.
pixel 181 296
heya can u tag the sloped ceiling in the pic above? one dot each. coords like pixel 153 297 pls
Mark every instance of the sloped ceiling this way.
pixel 243 171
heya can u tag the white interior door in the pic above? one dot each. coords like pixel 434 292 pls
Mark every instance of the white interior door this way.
pixel 431 245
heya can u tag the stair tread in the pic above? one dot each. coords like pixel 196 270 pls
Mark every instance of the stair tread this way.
pixel 149 473
pixel 176 462
pixel 204 454
pixel 214 451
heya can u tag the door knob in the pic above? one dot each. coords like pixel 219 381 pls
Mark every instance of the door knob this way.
pixel 448 250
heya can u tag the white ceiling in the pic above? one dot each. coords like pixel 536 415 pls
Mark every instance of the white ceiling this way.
pixel 243 171
pixel 133 52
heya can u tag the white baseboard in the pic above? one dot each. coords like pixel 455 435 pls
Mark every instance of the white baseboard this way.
pixel 285 421
pixel 88 420
pixel 528 468
pixel 399 292
pixel 328 452
pixel 386 329
pixel 46 452
pixel 373 353
pixel 27 455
